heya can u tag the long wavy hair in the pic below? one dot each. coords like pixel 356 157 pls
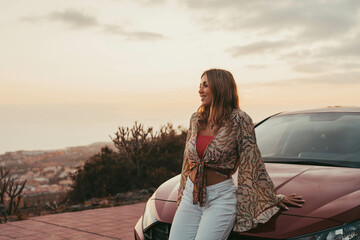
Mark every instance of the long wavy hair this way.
pixel 225 99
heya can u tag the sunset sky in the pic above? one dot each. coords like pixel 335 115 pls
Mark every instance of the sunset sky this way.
pixel 71 72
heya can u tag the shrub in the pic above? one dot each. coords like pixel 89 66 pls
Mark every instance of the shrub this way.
pixel 103 174
pixel 143 159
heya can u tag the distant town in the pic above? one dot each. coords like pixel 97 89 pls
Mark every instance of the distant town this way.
pixel 48 172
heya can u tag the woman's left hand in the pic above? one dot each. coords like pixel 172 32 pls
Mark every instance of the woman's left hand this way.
pixel 291 200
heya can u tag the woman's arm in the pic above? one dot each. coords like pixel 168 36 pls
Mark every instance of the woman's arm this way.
pixel 252 172
pixel 250 154
pixel 185 165
pixel 257 197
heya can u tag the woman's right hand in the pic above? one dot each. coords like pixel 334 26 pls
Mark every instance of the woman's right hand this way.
pixel 291 200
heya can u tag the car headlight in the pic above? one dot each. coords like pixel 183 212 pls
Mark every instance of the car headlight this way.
pixel 149 214
pixel 344 232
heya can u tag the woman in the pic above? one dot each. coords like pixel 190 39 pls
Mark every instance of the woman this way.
pixel 220 141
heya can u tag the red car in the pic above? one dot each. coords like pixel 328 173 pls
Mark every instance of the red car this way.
pixel 315 153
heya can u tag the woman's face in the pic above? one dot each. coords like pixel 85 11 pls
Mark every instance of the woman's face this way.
pixel 205 91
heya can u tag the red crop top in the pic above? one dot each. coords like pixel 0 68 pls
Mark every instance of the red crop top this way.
pixel 201 143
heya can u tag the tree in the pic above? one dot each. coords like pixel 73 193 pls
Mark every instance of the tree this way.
pixel 156 157
pixel 135 145
pixel 10 193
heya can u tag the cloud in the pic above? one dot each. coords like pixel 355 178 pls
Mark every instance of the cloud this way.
pixel 316 67
pixel 326 66
pixel 342 56
pixel 150 2
pixel 344 78
pixel 310 19
pixel 75 18
pixel 349 48
pixel 147 2
pixel 31 19
pixel 256 66
pixel 79 20
pixel 72 17
pixel 133 35
pixel 308 35
pixel 257 48
pixel 144 36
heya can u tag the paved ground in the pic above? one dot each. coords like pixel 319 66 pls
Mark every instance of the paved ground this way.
pixel 103 223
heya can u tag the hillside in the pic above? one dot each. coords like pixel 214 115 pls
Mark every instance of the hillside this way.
pixel 48 172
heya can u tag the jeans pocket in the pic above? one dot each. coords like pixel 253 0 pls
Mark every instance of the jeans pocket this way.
pixel 227 189
pixel 228 195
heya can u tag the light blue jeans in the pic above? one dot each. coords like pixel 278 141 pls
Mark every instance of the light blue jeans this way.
pixel 215 220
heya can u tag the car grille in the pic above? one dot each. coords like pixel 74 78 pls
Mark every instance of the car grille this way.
pixel 161 231
pixel 158 231
pixel 234 236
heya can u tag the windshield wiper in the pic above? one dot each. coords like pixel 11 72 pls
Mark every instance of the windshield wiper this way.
pixel 301 162
pixel 317 162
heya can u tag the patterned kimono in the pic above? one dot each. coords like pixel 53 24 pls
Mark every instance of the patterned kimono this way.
pixel 233 148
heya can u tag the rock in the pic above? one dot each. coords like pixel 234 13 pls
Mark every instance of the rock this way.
pixel 92 200
pixel 129 194
pixel 144 191
pixel 119 196
pixel 75 207
pixel 49 206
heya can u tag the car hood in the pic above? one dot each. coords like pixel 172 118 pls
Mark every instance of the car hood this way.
pixel 330 192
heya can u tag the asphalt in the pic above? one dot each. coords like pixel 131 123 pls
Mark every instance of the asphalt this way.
pixel 102 223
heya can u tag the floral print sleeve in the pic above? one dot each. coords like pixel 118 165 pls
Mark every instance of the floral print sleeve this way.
pixel 257 198
pixel 185 166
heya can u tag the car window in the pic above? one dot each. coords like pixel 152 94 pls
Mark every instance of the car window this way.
pixel 322 136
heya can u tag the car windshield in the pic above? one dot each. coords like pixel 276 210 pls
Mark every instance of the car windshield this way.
pixel 330 139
